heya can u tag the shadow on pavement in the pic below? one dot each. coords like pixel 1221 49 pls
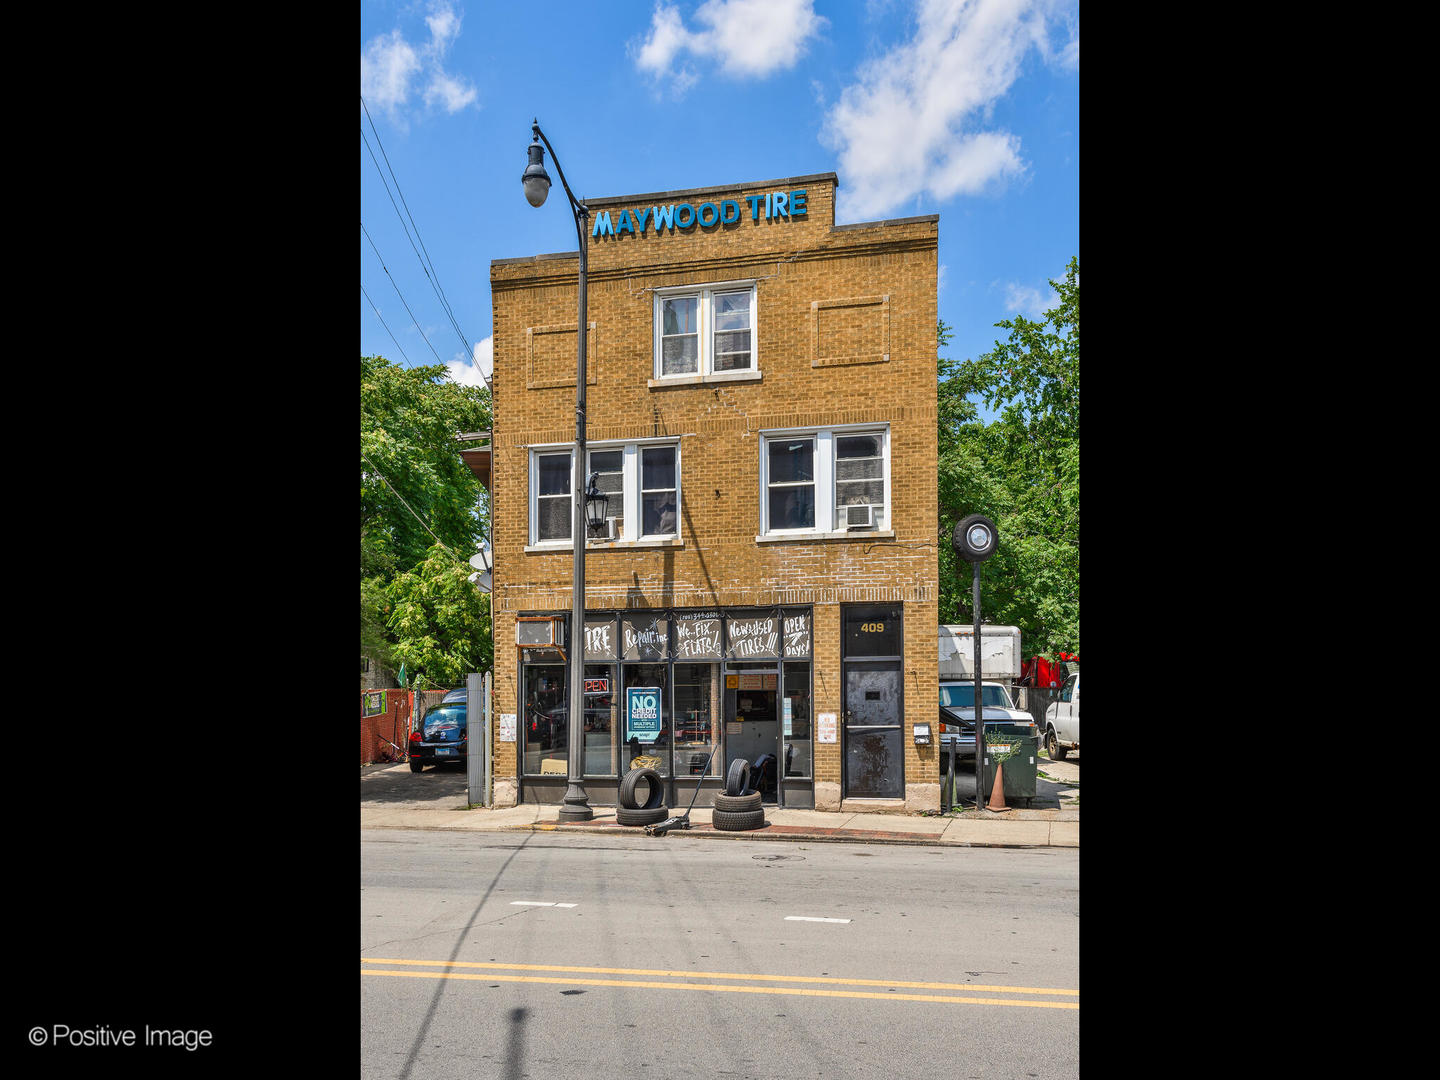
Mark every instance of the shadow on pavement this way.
pixel 391 785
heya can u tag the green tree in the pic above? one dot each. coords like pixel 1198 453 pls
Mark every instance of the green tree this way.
pixel 1022 469
pixel 440 621
pixel 415 490
pixel 414 487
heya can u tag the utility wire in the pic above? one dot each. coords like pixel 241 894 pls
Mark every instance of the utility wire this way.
pixel 426 264
pixel 407 506
pixel 386 325
pixel 398 292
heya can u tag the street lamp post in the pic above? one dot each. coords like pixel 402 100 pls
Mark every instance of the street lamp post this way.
pixel 974 541
pixel 576 805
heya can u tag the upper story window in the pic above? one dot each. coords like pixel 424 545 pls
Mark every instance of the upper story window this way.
pixel 642 480
pixel 824 481
pixel 705 330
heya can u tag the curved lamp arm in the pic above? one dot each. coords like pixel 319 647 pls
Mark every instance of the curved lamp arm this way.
pixel 579 208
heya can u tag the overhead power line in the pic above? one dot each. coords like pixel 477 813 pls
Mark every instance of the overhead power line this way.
pixel 426 264
pixel 386 325
pixel 398 293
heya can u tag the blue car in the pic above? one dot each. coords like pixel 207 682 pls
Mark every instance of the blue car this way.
pixel 441 736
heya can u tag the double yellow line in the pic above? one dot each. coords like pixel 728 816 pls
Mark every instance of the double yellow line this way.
pixel 641 978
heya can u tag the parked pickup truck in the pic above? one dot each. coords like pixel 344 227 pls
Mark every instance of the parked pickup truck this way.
pixel 1062 721
pixel 957 714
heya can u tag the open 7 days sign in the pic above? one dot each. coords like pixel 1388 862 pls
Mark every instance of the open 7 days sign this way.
pixel 642 713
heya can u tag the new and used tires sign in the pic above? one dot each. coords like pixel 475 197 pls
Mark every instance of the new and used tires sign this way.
pixel 642 713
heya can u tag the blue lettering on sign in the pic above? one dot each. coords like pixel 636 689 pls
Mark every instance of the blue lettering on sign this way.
pixel 769 206
pixel 642 713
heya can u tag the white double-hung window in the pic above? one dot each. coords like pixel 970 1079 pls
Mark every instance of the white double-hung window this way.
pixel 705 330
pixel 641 480
pixel 828 480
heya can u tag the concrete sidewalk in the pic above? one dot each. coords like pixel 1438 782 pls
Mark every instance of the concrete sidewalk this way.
pixel 394 798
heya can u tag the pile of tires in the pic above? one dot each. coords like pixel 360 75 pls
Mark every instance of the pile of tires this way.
pixel 631 810
pixel 738 810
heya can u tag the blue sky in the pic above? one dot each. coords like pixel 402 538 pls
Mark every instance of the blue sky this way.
pixel 964 108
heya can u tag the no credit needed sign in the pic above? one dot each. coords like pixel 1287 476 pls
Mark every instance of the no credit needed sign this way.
pixel 642 713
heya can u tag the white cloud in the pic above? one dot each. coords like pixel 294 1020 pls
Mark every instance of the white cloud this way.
pixel 911 124
pixel 391 65
pixel 745 38
pixel 1028 301
pixel 478 369
pixel 386 68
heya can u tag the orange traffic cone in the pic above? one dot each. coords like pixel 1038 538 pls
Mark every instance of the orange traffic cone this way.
pixel 997 793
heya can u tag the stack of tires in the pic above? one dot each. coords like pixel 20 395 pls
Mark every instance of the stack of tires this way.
pixel 631 811
pixel 737 810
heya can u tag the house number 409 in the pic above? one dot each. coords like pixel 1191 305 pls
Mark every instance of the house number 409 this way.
pixel 873 627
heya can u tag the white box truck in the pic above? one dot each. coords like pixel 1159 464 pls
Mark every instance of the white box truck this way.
pixel 1000 656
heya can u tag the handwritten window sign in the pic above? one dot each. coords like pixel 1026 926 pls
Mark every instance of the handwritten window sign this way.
pixel 795 625
pixel 600 639
pixel 698 639
pixel 750 638
pixel 642 713
pixel 646 637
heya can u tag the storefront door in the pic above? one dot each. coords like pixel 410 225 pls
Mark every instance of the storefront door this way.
pixel 752 724
pixel 873 701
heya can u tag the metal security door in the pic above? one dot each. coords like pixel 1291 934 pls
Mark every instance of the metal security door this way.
pixel 874 748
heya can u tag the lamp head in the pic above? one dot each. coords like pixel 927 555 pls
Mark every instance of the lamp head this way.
pixel 535 178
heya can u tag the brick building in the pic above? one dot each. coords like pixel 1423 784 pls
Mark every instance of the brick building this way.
pixel 761 404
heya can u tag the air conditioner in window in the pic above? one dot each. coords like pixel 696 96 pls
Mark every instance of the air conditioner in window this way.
pixel 858 516
pixel 612 528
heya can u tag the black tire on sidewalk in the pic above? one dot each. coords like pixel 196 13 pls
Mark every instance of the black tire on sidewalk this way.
pixel 631 781
pixel 747 819
pixel 641 817
pixel 737 777
pixel 733 804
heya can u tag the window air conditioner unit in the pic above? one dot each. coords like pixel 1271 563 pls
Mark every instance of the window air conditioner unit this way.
pixel 612 528
pixel 858 516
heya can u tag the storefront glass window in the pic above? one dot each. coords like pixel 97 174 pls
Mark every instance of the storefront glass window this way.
pixel 642 741
pixel 795 721
pixel 697 727
pixel 545 733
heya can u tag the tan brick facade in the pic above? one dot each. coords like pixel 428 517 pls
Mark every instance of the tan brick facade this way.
pixel 844 334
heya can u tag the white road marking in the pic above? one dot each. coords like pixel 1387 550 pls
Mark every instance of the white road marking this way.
pixel 809 918
pixel 531 903
pixel 567 905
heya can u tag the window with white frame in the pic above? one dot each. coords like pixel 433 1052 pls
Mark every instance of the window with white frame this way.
pixel 705 330
pixel 641 480
pixel 825 480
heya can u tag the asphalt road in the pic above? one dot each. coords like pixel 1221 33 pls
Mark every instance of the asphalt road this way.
pixel 958 962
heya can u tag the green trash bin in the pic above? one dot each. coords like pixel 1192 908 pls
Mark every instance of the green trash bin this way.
pixel 1013 748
